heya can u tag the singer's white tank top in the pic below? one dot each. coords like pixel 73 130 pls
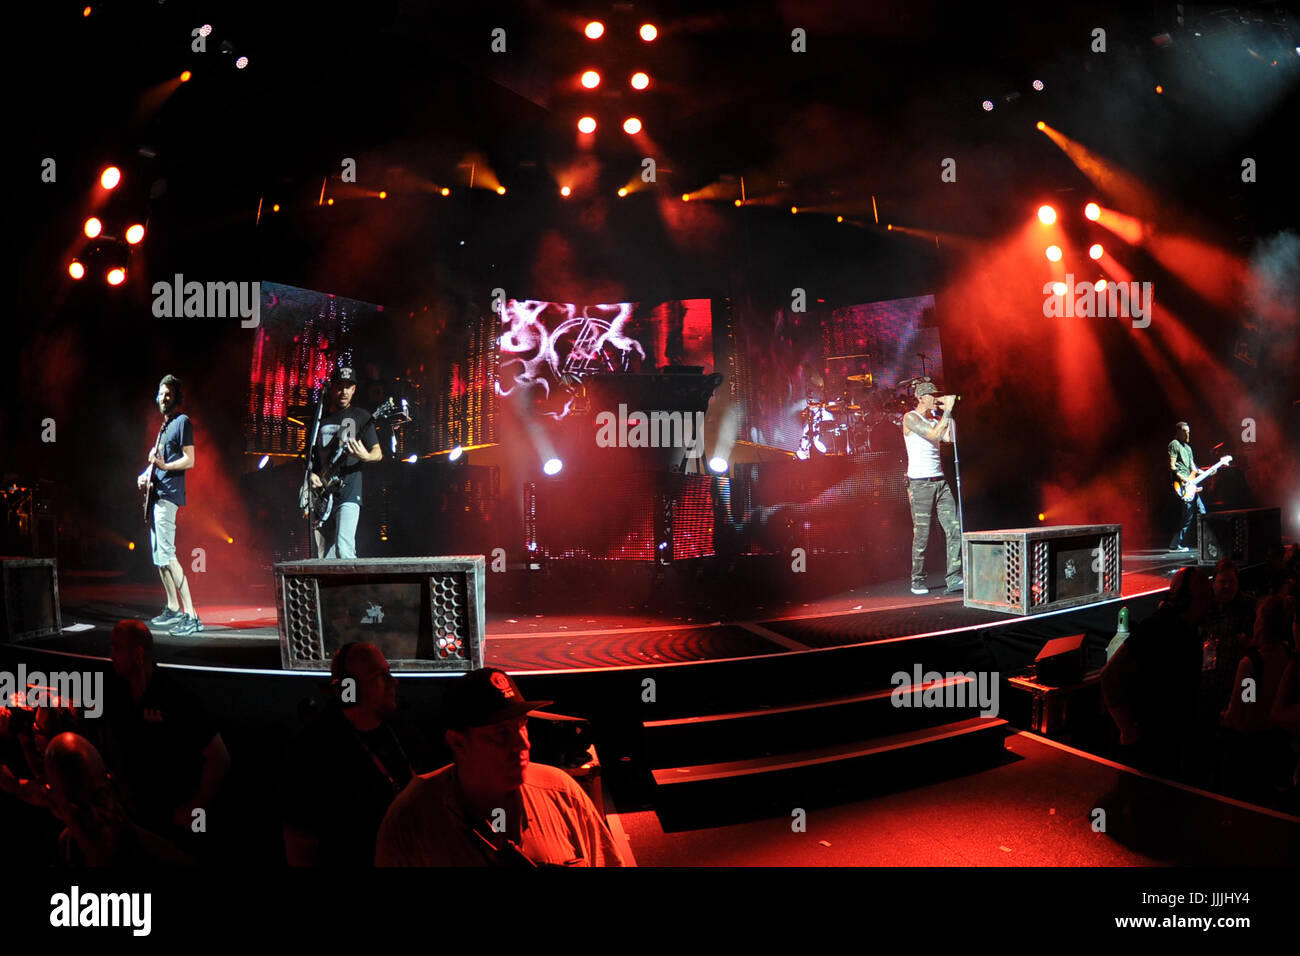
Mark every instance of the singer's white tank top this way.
pixel 922 456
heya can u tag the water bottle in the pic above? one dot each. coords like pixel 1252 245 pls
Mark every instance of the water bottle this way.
pixel 1210 653
pixel 1121 634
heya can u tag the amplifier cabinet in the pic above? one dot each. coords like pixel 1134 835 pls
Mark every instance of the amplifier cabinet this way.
pixel 1244 536
pixel 1032 570
pixel 31 598
pixel 426 613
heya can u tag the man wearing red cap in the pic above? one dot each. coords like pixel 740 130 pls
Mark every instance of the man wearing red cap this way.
pixel 492 807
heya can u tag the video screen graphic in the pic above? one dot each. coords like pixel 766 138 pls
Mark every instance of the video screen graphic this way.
pixel 545 348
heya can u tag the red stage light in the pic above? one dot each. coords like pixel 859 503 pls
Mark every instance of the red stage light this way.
pixel 185 76
pixel 1046 215
pixel 739 202
pixel 595 30
pixel 501 190
pixel 383 194
pixel 631 125
pixel 1058 288
pixel 85 11
pixel 446 191
pixel 330 201
pixel 623 192
pixel 648 32
pixel 76 269
pixel 110 177
pixel 686 197
pixel 640 81
pixel 134 233
pixel 93 227
pixel 591 79
pixel 1159 89
pixel 1095 251
pixel 275 208
pixel 1041 516
pixel 1054 253
pixel 1092 211
pixel 794 210
pixel 116 276
pixel 1101 285
pixel 565 191
pixel 587 125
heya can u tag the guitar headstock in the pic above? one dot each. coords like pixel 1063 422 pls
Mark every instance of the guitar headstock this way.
pixel 392 411
pixel 1225 459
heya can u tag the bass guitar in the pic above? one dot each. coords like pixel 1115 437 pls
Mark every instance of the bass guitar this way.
pixel 1187 490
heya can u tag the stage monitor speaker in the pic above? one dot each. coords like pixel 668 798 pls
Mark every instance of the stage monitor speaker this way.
pixel 1244 536
pixel 1032 570
pixel 1060 662
pixel 425 614
pixel 31 598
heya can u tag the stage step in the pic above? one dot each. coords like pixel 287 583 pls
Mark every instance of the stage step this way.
pixel 762 732
pixel 822 756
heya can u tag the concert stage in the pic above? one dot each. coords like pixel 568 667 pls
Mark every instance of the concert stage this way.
pixel 243 636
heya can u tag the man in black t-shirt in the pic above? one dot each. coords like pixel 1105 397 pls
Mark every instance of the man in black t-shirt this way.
pixel 347 765
pixel 347 438
pixel 166 755
pixel 171 456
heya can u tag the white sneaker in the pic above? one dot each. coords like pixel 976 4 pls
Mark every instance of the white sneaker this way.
pixel 920 590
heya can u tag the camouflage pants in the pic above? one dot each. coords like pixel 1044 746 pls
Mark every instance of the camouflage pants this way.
pixel 928 500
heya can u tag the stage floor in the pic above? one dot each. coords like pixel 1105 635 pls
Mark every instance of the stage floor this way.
pixel 244 636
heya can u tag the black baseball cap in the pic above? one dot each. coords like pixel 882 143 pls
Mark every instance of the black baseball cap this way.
pixel 344 375
pixel 485 696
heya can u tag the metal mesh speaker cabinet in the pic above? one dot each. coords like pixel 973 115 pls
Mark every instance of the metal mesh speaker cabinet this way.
pixel 1244 536
pixel 425 613
pixel 1032 570
pixel 31 598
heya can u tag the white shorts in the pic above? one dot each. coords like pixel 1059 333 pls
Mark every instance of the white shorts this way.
pixel 162 537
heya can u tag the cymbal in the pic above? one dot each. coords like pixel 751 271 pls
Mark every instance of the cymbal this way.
pixel 864 377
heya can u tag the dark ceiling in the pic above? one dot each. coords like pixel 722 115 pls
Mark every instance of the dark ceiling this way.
pixel 414 92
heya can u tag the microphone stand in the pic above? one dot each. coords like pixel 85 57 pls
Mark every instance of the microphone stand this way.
pixel 311 450
pixel 956 461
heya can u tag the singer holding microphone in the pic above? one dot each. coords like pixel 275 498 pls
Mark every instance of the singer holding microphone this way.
pixel 927 490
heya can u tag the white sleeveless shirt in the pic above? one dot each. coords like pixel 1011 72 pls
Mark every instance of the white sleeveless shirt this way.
pixel 922 456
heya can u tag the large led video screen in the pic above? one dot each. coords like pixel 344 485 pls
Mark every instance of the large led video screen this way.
pixel 546 348
pixel 854 360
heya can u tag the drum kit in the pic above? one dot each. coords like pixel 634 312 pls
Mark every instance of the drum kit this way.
pixel 838 420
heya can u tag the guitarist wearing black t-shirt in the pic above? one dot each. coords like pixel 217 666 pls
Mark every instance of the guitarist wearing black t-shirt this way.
pixel 347 438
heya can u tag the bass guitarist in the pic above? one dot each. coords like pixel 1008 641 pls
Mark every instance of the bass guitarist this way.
pixel 347 438
pixel 163 482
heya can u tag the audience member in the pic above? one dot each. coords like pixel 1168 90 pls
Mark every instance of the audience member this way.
pixel 167 757
pixel 1151 684
pixel 1258 751
pixel 1230 622
pixel 346 766
pixel 97 832
pixel 491 806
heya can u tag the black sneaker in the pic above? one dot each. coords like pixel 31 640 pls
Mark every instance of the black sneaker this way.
pixel 188 625
pixel 168 618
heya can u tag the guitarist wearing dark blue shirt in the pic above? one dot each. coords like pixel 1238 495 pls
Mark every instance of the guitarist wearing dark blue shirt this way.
pixel 163 484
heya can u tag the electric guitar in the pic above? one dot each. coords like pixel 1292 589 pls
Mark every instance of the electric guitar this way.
pixel 319 501
pixel 1187 490
pixel 149 485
